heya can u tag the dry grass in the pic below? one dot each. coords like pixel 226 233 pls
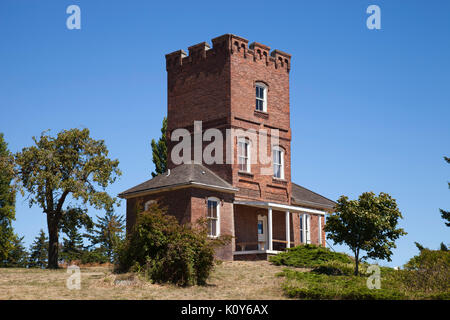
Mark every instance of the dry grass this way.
pixel 230 280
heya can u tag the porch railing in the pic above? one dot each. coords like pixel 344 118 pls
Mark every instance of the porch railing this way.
pixel 278 245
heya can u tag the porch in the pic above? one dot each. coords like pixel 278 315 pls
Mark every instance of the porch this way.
pixel 263 228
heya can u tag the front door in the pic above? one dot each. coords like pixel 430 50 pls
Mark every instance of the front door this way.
pixel 262 232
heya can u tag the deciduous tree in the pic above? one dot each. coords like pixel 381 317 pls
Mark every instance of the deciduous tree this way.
pixel 367 224
pixel 72 164
pixel 7 200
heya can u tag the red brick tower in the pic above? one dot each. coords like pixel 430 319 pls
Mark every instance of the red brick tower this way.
pixel 218 86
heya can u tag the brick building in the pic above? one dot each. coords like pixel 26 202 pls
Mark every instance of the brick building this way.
pixel 240 88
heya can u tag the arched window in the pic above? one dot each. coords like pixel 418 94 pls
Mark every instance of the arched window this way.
pixel 213 217
pixel 148 204
pixel 261 96
pixel 278 162
pixel 244 154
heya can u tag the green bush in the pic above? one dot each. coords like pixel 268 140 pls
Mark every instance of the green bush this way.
pixel 309 256
pixel 312 285
pixel 427 272
pixel 166 251
pixel 94 256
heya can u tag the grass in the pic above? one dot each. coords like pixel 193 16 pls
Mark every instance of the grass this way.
pixel 230 280
pixel 313 285
pixel 330 276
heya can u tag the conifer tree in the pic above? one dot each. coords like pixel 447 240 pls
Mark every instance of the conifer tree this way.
pixel 17 256
pixel 159 151
pixel 39 251
pixel 73 220
pixel 108 231
pixel 446 214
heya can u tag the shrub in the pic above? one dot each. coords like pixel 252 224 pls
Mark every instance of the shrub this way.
pixel 309 256
pixel 311 285
pixel 94 256
pixel 427 272
pixel 166 251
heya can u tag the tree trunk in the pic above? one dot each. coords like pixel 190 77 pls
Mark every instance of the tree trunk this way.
pixel 356 262
pixel 53 245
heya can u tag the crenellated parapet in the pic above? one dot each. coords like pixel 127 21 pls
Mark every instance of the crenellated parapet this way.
pixel 223 46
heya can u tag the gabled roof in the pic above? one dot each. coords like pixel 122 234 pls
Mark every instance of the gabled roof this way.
pixel 303 196
pixel 184 175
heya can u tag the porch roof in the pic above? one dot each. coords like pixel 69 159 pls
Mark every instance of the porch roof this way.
pixel 278 206
pixel 306 197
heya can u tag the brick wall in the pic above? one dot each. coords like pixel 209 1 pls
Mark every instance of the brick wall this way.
pixel 217 86
pixel 188 205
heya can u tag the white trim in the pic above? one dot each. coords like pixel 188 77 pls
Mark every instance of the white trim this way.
pixel 247 144
pixel 319 223
pixel 278 206
pixel 264 87
pixel 217 201
pixel 281 150
pixel 269 227
pixel 256 251
pixel 288 230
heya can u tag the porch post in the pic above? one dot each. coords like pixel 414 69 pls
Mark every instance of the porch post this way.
pixel 288 231
pixel 320 230
pixel 269 227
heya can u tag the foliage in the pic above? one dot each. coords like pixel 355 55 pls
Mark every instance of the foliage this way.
pixel 7 201
pixel 17 256
pixel 38 251
pixel 367 224
pixel 73 219
pixel 314 285
pixel 96 255
pixel 108 233
pixel 166 251
pixel 446 214
pixel 308 256
pixel 159 151
pixel 428 272
pixel 72 163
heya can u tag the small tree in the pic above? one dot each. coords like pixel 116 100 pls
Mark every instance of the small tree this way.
pixel 73 220
pixel 17 256
pixel 38 251
pixel 159 151
pixel 7 201
pixel 71 164
pixel 446 214
pixel 367 224
pixel 108 232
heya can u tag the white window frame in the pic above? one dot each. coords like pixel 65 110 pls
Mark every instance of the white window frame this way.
pixel 262 86
pixel 281 164
pixel 248 157
pixel 217 219
pixel 305 228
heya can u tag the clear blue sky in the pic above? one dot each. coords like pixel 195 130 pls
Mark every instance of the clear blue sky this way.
pixel 370 109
